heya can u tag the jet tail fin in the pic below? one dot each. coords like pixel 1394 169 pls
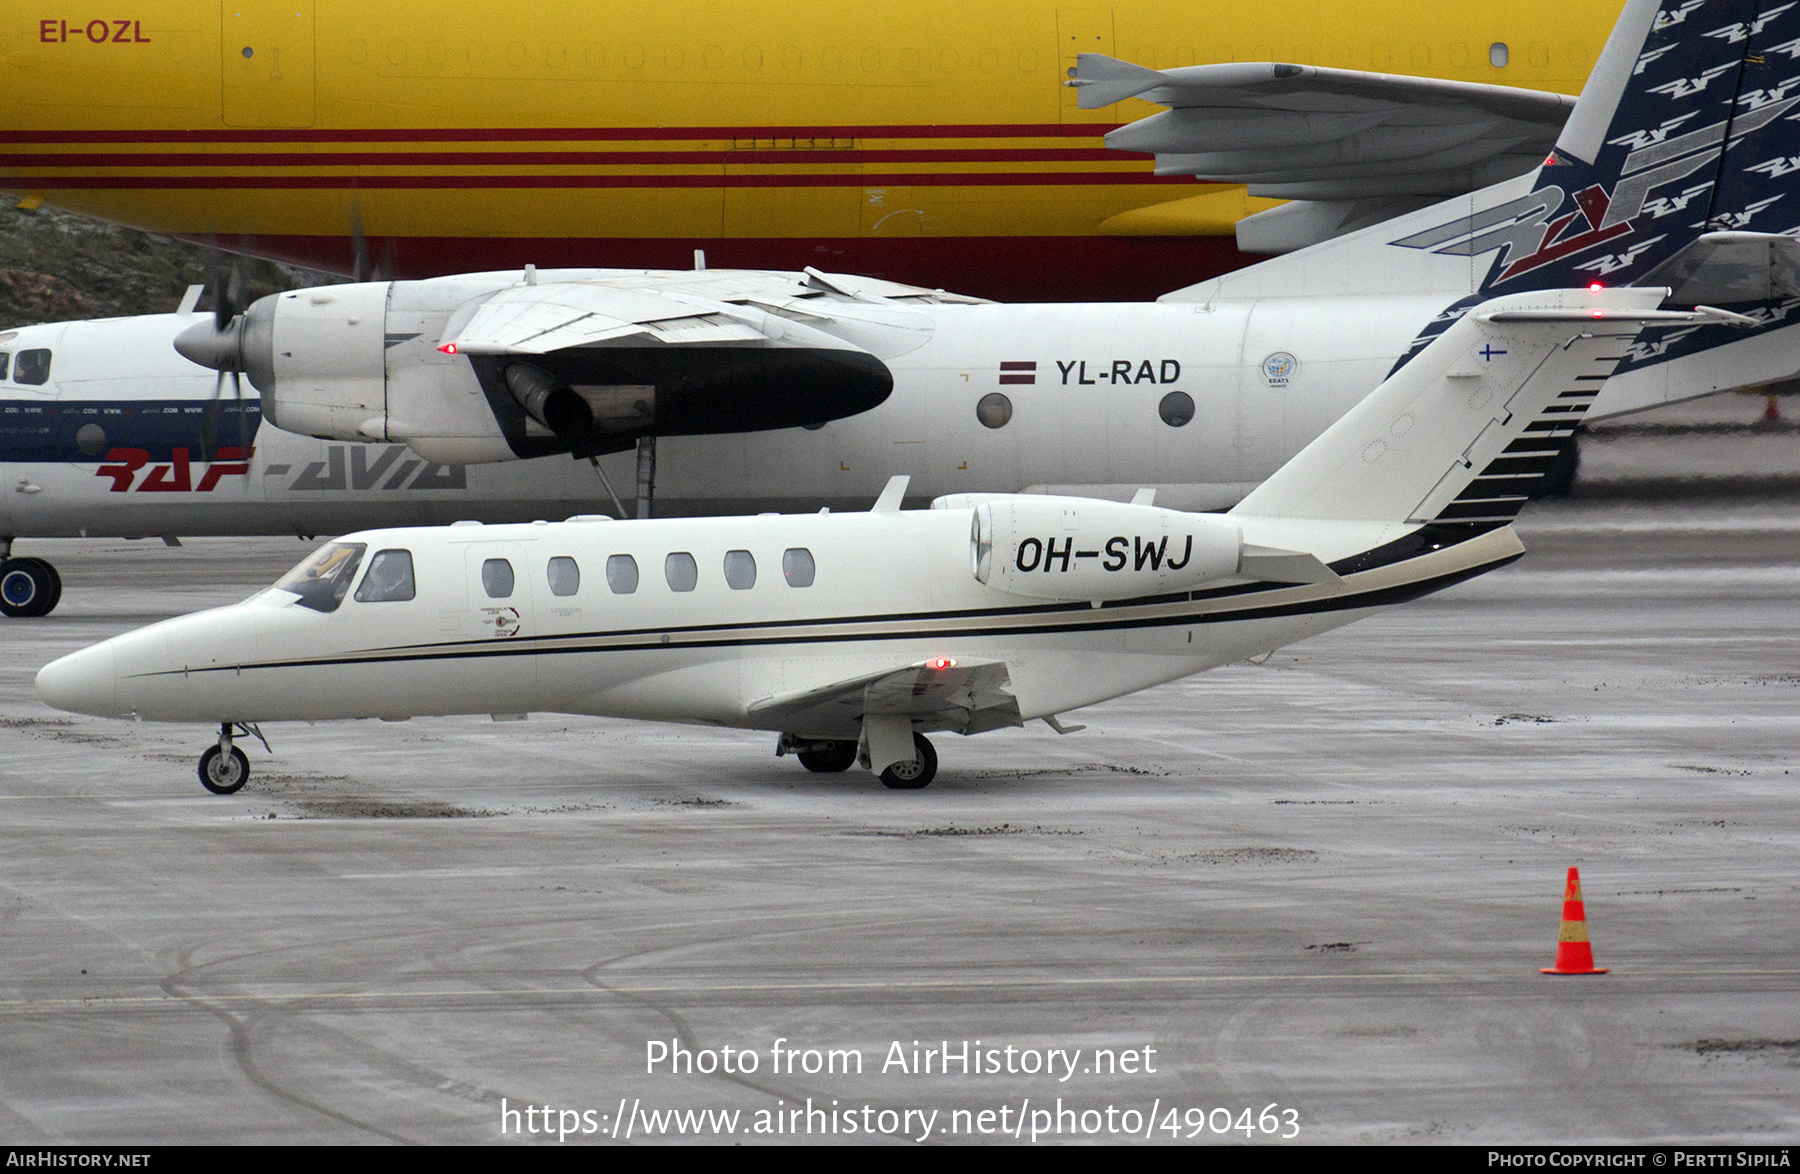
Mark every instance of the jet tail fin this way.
pixel 1462 433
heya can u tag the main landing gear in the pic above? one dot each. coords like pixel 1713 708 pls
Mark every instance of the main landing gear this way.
pixel 823 756
pixel 911 776
pixel 224 769
pixel 28 586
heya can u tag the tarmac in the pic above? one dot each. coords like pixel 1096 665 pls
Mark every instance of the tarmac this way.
pixel 1324 883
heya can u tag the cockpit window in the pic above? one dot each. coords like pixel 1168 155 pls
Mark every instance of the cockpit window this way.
pixel 5 358
pixel 390 578
pixel 32 367
pixel 323 580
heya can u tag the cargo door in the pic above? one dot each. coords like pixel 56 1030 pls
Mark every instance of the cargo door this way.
pixel 267 62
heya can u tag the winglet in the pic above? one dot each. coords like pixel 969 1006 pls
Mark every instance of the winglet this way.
pixel 889 501
pixel 1144 497
pixel 1049 719
pixel 190 299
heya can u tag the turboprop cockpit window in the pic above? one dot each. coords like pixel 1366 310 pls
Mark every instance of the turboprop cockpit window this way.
pixel 621 574
pixel 497 578
pixel 32 367
pixel 323 580
pixel 740 570
pixel 390 578
pixel 5 359
pixel 681 571
pixel 797 566
pixel 564 574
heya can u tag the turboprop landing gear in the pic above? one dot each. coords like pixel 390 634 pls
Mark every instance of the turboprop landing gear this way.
pixel 910 776
pixel 28 586
pixel 224 769
pixel 818 756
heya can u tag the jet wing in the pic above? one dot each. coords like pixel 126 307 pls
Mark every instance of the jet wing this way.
pixel 1373 144
pixel 968 697
pixel 538 319
pixel 1730 267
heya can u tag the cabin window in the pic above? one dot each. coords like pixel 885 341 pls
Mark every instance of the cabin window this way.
pixel 323 580
pixel 5 360
pixel 389 579
pixel 32 367
pixel 497 578
pixel 564 575
pixel 1499 55
pixel 1176 408
pixel 740 570
pixel 621 574
pixel 681 571
pixel 797 566
pixel 993 410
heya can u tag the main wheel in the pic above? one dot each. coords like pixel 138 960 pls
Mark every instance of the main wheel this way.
pixel 28 587
pixel 910 776
pixel 224 774
pixel 828 757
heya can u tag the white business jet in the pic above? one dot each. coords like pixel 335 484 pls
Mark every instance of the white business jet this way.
pixel 854 635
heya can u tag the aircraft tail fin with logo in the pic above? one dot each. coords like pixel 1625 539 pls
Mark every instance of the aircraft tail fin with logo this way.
pixel 1684 128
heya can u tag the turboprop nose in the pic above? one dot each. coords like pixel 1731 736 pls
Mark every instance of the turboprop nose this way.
pixel 82 682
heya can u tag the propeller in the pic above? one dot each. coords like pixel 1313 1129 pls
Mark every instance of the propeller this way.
pixel 219 344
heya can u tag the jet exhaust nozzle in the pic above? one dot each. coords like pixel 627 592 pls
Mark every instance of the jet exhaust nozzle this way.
pixel 550 402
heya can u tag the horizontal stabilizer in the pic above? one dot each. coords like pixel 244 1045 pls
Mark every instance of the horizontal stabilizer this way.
pixel 1730 267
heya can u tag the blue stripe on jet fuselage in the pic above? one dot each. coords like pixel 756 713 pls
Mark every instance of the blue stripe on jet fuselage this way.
pixel 46 430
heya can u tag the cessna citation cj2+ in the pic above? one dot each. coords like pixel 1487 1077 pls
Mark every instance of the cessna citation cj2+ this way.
pixel 854 635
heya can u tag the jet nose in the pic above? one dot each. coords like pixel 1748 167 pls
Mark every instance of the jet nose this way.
pixel 82 682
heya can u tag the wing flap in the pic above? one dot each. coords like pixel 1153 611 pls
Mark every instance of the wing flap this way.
pixel 968 697
pixel 537 319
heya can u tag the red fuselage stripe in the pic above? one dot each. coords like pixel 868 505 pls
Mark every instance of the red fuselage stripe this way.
pixel 567 134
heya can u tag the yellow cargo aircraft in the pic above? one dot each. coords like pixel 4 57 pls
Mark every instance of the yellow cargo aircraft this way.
pixel 926 141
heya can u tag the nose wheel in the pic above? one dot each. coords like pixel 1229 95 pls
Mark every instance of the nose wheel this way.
pixel 224 772
pixel 224 769
pixel 28 587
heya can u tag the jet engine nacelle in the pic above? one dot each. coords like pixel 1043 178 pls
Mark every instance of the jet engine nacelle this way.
pixel 1080 548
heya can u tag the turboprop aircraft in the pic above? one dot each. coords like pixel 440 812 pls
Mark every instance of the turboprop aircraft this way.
pixel 852 636
pixel 927 143
pixel 1201 395
pixel 1205 392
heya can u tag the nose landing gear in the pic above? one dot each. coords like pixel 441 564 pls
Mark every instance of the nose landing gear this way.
pixel 224 769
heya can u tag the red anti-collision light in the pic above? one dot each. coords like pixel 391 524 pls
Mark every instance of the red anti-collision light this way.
pixel 1595 287
pixel 449 348
pixel 940 663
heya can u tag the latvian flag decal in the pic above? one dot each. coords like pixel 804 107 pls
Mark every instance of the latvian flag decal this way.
pixel 1017 373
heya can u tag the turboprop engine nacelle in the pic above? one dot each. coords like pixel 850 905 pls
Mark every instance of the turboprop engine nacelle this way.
pixel 492 367
pixel 1081 548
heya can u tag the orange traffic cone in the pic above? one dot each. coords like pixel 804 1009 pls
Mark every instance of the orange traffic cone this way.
pixel 1573 953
